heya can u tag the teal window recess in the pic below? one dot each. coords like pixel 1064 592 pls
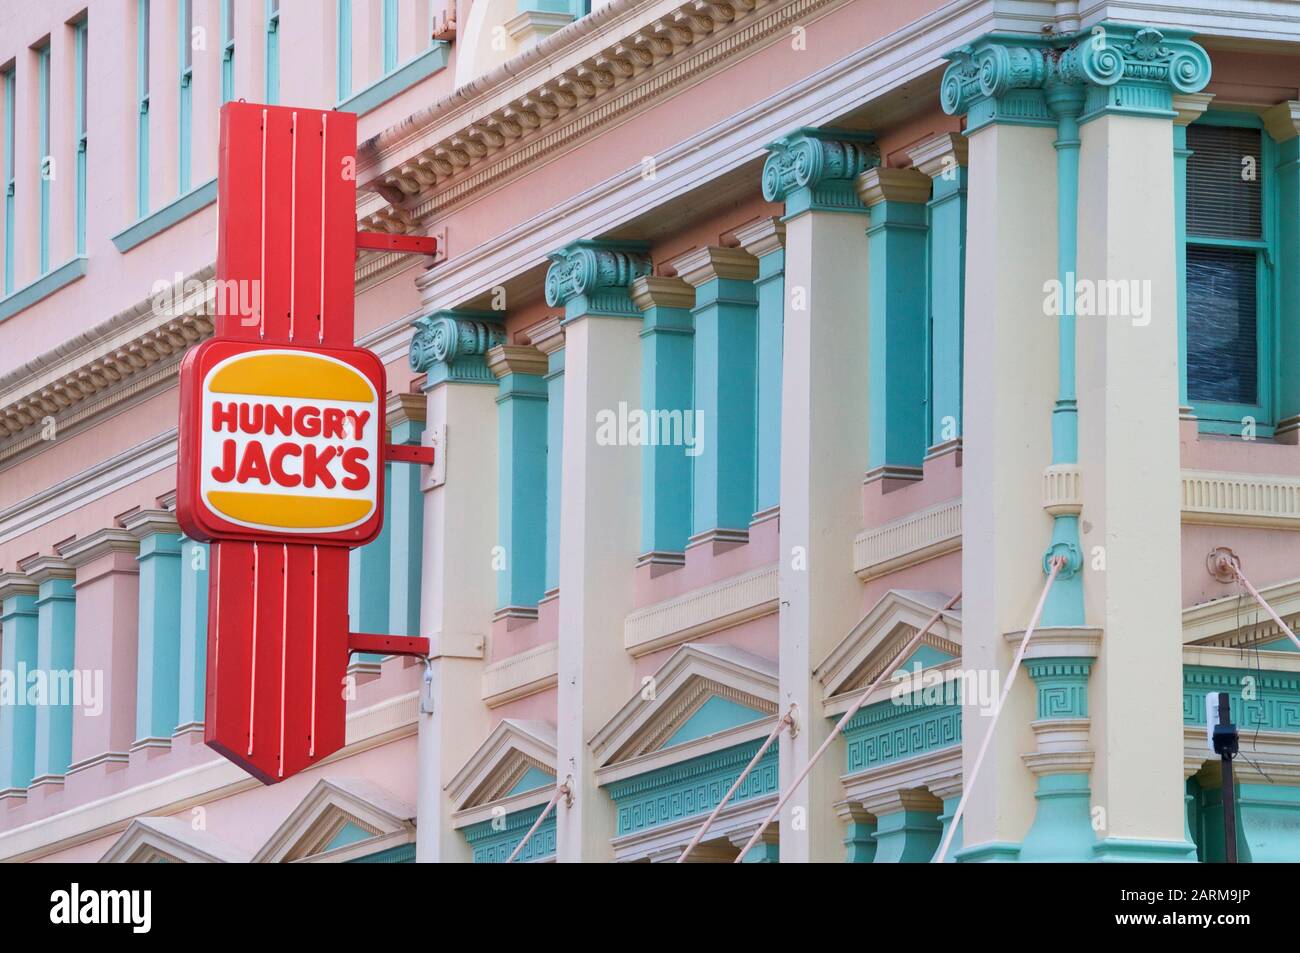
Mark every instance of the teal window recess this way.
pixel 404 508
pixel 56 644
pixel 193 632
pixel 492 842
pixel 158 649
pixel 521 501
pixel 390 24
pixel 42 287
pixel 421 67
pixel 1229 254
pixel 10 90
pixel 185 105
pixel 227 50
pixel 81 79
pixel 142 108
pixel 46 160
pixel 18 652
pixel 273 52
pixel 174 211
pixel 344 58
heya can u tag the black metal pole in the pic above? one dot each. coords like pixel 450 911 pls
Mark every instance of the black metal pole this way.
pixel 1225 742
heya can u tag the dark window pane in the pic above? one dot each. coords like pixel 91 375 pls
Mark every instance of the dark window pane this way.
pixel 1221 325
pixel 1223 182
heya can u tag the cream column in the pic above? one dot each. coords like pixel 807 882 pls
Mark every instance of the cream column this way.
pixel 823 451
pixel 600 512
pixel 1006 436
pixel 458 589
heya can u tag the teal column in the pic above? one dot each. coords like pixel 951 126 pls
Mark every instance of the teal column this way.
pixel 158 645
pixel 765 240
pixel 56 651
pixel 667 362
pixel 896 314
pixel 549 339
pixel 725 318
pixel 766 851
pixel 859 835
pixel 193 635
pixel 944 160
pixel 368 580
pixel 1062 829
pixel 907 828
pixel 405 506
pixel 945 819
pixel 521 476
pixel 18 658
pixel 1282 123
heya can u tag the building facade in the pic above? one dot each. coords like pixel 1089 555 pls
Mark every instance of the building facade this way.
pixel 762 334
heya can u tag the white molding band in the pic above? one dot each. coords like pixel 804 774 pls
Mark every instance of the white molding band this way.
pixel 517 676
pixel 701 611
pixel 919 536
pixel 1240 499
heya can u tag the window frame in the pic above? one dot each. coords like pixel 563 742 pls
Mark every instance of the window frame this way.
pixel 227 14
pixel 185 100
pixel 43 67
pixel 1222 416
pixel 81 40
pixel 272 52
pixel 142 30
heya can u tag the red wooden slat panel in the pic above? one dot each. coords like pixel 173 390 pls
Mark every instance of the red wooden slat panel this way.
pixel 239 216
pixel 339 226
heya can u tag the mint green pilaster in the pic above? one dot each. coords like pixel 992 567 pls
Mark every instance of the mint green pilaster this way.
pixel 896 309
pixel 193 634
pixel 943 159
pixel 725 319
pixel 1283 125
pixel 907 828
pixel 56 652
pixel 521 475
pixel 405 509
pixel 551 342
pixel 859 834
pixel 158 646
pixel 368 579
pixel 18 657
pixel 945 819
pixel 765 240
pixel 667 393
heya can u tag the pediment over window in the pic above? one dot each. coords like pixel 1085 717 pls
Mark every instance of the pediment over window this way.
pixel 513 769
pixel 169 840
pixel 876 641
pixel 1238 622
pixel 704 698
pixel 341 819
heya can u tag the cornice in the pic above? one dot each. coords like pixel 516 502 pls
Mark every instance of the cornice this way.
pixel 41 569
pixel 937 155
pixel 893 185
pixel 1191 107
pixel 16 584
pixel 144 523
pixel 762 237
pixel 85 550
pixel 651 291
pixel 1283 120
pixel 702 265
pixel 515 359
pixel 405 408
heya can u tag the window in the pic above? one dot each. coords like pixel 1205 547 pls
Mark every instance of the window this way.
pixel 80 38
pixel 185 104
pixel 272 51
pixel 46 160
pixel 227 50
pixel 10 90
pixel 1229 272
pixel 142 99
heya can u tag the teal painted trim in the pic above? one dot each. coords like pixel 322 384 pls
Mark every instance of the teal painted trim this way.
pixel 42 287
pixel 10 185
pixel 667 368
pixel 1124 850
pixel 896 245
pixel 1062 829
pixel 347 835
pixel 368 576
pixel 376 94
pixel 18 657
pixel 907 837
pixel 531 780
pixel 492 842
pixel 692 787
pixel 1270 822
pixel 990 852
pixel 1062 685
pixel 945 819
pixel 175 211
pixel 158 649
pixel 80 83
pixel 554 463
pixel 389 27
pixel 193 633
pixel 1275 707
pixel 56 651
pixel 1227 418
pixel 405 508
pixel 142 104
pixel 715 715
pixel 45 159
pixel 947 293
pixel 343 61
pixel 402 854
pixel 184 105
pixel 521 489
pixel 1181 155
pixel 575 8
pixel 887 732
pixel 227 53
pixel 726 341
pixel 860 842
pixel 769 289
pixel 272 52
